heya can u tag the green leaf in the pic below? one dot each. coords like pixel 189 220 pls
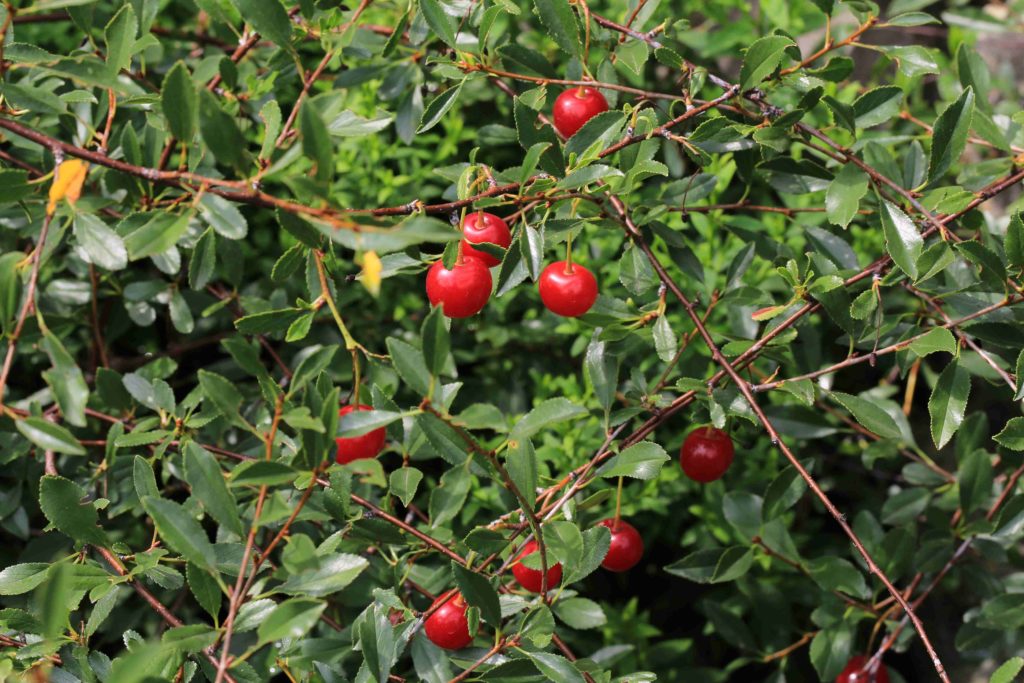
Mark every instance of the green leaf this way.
pixel 1012 436
pixel 49 436
pixel 713 565
pixel 580 613
pixel 204 261
pixel 521 463
pixel 555 667
pixel 761 59
pixel 1003 612
pixel 935 340
pixel 558 18
pixel 219 130
pixel 837 574
pixel 206 479
pixel 403 483
pixel 596 541
pixel 181 532
pixel 410 365
pixel 316 141
pixel 100 245
pixel 842 200
pixel 948 403
pixel 180 102
pixel 60 500
pixel 21 578
pixel 588 174
pixel 269 18
pixel 436 342
pixel 877 106
pixel 438 107
pixel 830 650
pixel 361 422
pixel 914 60
pixel 223 395
pixel 949 136
pixel 1015 242
pixel 640 461
pixel 551 411
pixel 332 575
pixel 478 592
pixel 66 380
pixel 292 619
pixel 743 511
pixel 905 506
pixel 119 36
pixel 438 21
pixel 204 588
pixel 1008 672
pixel 868 414
pixel 902 239
pixel 156 236
pixel 665 342
pixel 975 480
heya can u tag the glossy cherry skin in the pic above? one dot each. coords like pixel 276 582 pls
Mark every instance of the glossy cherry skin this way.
pixel 576 106
pixel 567 289
pixel 481 226
pixel 530 579
pixel 854 672
pixel 626 547
pixel 369 445
pixel 706 454
pixel 448 627
pixel 462 291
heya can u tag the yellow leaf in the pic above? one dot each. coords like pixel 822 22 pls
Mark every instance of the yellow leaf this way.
pixel 372 268
pixel 67 183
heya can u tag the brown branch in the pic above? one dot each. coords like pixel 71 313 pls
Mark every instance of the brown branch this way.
pixel 27 305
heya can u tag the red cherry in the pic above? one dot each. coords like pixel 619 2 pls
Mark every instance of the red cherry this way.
pixel 530 579
pixel 706 454
pixel 484 227
pixel 626 547
pixel 855 672
pixel 567 289
pixel 369 445
pixel 576 106
pixel 461 291
pixel 448 627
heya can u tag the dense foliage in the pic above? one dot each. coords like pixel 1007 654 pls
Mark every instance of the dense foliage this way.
pixel 802 219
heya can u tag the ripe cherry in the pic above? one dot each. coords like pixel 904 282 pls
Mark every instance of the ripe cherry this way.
pixel 706 454
pixel 530 579
pixel 484 227
pixel 369 445
pixel 576 106
pixel 567 289
pixel 448 627
pixel 461 291
pixel 855 672
pixel 626 547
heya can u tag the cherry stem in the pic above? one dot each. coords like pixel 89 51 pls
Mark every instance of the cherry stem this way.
pixel 618 507
pixel 355 378
pixel 568 253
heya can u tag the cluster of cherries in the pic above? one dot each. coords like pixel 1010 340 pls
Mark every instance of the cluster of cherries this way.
pixel 448 626
pixel 567 289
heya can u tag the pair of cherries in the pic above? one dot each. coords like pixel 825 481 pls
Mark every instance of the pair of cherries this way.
pixel 448 626
pixel 566 288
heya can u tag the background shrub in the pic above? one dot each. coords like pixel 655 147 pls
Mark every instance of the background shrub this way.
pixel 803 221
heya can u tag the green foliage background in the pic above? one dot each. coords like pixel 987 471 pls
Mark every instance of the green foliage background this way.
pixel 845 183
